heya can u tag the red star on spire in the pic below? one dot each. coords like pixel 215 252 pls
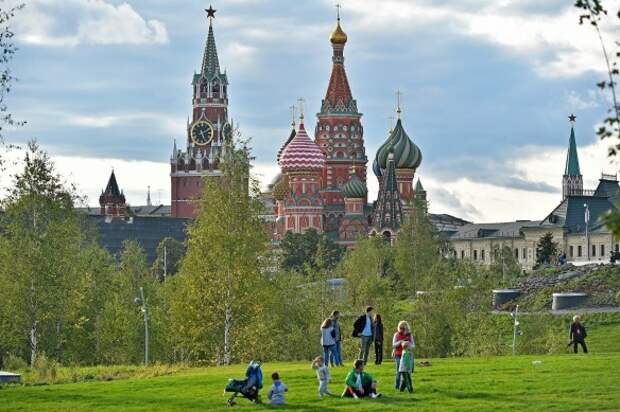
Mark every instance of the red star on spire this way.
pixel 572 118
pixel 210 12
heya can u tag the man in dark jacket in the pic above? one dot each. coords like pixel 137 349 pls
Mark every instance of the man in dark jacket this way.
pixel 364 328
pixel 578 334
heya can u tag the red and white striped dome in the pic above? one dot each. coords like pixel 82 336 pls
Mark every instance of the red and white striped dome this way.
pixel 302 154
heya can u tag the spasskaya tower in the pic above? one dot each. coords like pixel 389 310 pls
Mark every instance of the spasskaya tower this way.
pixel 206 133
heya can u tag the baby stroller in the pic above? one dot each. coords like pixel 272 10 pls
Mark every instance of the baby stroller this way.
pixel 247 387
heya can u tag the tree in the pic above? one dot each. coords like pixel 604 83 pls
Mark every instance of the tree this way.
pixel 41 243
pixel 8 50
pixel 505 266
pixel 306 252
pixel 546 249
pixel 216 299
pixel 170 253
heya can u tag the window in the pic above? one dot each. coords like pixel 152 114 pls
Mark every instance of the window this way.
pixel 579 251
pixel 516 253
pixel 570 251
pixel 593 250
pixel 617 247
pixel 602 250
pixel 524 253
pixel 475 255
pixel 482 254
pixel 462 254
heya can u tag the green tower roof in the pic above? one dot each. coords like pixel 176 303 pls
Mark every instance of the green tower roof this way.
pixel 572 160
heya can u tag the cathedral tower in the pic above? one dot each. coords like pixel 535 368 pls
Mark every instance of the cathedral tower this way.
pixel 207 131
pixel 572 180
pixel 112 200
pixel 339 132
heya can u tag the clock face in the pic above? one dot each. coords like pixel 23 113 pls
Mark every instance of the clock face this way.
pixel 227 132
pixel 202 133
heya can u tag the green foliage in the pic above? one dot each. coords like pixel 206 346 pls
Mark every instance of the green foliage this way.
pixel 505 266
pixel 546 249
pixel 170 253
pixel 217 296
pixel 309 251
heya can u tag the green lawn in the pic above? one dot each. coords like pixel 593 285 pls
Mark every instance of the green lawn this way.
pixel 560 383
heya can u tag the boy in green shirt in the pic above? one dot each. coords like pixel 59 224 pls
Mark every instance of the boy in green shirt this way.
pixel 359 383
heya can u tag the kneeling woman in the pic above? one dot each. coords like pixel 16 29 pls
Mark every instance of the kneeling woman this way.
pixel 359 383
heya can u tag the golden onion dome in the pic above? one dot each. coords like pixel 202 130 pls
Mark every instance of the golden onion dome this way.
pixel 338 36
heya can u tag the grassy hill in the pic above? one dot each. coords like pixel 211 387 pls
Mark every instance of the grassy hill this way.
pixel 563 382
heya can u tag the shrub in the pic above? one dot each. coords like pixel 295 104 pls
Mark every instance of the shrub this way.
pixel 15 363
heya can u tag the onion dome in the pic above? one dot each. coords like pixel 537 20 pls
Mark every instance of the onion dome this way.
pixel 338 35
pixel 354 188
pixel 285 144
pixel 407 155
pixel 376 169
pixel 280 189
pixel 302 154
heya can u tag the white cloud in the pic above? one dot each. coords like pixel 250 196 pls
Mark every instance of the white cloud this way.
pixel 68 23
pixel 555 44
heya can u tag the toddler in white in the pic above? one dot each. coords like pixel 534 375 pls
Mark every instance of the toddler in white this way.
pixel 322 373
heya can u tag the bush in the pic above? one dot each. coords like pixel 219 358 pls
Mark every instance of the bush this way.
pixel 618 298
pixel 15 363
pixel 45 370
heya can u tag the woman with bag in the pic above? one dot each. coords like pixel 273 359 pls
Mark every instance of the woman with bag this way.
pixel 403 334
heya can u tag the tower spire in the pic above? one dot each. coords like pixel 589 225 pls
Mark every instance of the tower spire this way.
pixel 572 180
pixel 148 196
pixel 210 61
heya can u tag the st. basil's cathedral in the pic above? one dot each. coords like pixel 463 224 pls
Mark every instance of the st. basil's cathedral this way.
pixel 322 182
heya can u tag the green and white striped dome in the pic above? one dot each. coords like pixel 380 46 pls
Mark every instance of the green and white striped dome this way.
pixel 407 155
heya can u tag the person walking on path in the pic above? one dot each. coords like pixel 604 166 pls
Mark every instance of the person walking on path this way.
pixel 337 359
pixel 327 339
pixel 403 334
pixel 405 369
pixel 578 334
pixel 378 340
pixel 364 328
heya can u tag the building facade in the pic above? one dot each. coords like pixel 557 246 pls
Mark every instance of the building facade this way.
pixel 576 223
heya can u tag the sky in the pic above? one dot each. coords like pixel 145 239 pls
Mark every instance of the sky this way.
pixel 487 88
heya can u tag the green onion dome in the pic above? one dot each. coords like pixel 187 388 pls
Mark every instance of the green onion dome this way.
pixel 354 188
pixel 407 155
pixel 376 169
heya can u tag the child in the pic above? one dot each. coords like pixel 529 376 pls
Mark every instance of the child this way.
pixel 277 390
pixel 405 369
pixel 359 383
pixel 322 373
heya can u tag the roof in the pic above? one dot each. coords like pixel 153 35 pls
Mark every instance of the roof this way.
pixel 572 160
pixel 607 187
pixel 302 153
pixel 147 231
pixel 407 155
pixel 492 230
pixel 570 213
pixel 153 210
pixel 210 60
pixel 112 189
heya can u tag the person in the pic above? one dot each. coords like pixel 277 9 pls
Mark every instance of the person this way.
pixel 277 390
pixel 402 334
pixel 360 384
pixel 322 373
pixel 405 368
pixel 578 334
pixel 336 360
pixel 378 340
pixel 364 328
pixel 327 338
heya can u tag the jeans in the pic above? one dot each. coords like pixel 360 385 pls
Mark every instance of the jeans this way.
pixel 336 359
pixel 583 346
pixel 365 348
pixel 378 353
pixel 406 381
pixel 397 361
pixel 328 351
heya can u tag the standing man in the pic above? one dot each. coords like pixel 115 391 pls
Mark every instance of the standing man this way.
pixel 336 360
pixel 364 328
pixel 578 334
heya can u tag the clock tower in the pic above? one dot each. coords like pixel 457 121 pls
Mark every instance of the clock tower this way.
pixel 207 131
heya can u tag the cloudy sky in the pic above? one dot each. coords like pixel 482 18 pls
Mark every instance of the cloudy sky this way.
pixel 487 84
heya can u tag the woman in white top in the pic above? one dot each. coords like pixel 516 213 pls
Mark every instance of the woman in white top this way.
pixel 328 339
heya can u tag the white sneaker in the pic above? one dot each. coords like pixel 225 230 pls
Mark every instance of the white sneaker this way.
pixel 373 395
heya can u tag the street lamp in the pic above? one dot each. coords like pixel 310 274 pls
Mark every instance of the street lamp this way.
pixel 140 301
pixel 516 330
pixel 587 220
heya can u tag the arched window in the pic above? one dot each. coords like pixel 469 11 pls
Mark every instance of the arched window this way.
pixel 215 90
